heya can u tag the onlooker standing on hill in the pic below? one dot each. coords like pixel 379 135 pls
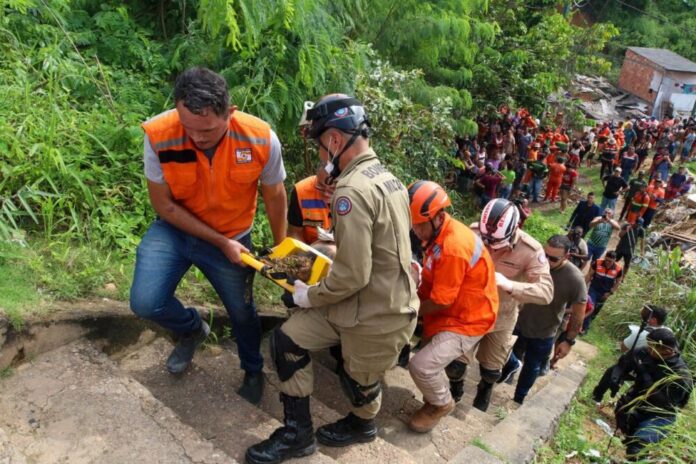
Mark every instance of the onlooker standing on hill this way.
pixel 608 156
pixel 633 187
pixel 508 175
pixel 578 254
pixel 556 171
pixel 629 162
pixel 614 185
pixel 568 180
pixel 584 213
pixel 657 197
pixel 602 228
pixel 661 164
pixel 629 235
pixel 538 170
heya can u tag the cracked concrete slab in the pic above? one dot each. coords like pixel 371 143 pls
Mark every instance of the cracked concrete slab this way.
pixel 73 405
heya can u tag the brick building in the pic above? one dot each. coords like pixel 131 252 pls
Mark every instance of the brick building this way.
pixel 664 79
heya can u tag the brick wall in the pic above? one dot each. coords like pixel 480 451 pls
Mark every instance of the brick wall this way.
pixel 636 76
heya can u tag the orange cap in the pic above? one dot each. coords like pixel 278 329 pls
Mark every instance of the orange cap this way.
pixel 427 198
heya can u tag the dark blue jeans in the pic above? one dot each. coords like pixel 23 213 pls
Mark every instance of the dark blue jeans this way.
pixel 596 297
pixel 163 257
pixel 535 189
pixel 535 352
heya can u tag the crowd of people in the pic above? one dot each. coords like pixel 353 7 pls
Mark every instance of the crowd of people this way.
pixel 400 261
pixel 513 157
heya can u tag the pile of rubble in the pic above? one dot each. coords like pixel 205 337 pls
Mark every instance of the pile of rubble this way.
pixel 602 101
pixel 680 231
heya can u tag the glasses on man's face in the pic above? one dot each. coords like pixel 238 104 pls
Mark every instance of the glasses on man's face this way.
pixel 553 259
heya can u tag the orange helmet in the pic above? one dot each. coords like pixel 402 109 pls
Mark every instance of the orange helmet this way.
pixel 427 198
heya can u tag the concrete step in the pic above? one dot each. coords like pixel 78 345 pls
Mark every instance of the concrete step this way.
pixel 399 402
pixel 378 450
pixel 205 397
pixel 74 405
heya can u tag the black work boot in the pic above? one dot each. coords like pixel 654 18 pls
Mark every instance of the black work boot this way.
pixel 293 440
pixel 351 429
pixel 182 354
pixel 252 387
pixel 483 395
pixel 457 389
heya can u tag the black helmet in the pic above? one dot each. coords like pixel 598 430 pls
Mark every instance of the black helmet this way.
pixel 335 111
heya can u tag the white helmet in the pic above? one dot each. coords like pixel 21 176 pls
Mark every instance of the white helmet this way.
pixel 498 224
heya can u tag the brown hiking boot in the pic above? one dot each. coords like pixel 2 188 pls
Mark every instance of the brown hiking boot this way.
pixel 427 417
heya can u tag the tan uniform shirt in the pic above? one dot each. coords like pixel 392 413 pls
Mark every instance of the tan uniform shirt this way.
pixel 526 265
pixel 369 289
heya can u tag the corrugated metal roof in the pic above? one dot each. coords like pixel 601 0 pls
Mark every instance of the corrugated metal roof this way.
pixel 666 58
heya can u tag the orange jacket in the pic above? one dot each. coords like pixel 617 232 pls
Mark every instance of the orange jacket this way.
pixel 222 194
pixel 459 273
pixel 655 195
pixel 556 171
pixel 315 211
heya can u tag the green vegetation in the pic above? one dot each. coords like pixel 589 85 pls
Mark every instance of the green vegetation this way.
pixel 667 24
pixel 667 284
pixel 77 78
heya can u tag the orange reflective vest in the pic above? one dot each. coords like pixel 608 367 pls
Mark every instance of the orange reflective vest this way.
pixel 315 211
pixel 459 273
pixel 656 194
pixel 221 193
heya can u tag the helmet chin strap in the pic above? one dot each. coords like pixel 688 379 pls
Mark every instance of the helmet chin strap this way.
pixel 332 167
pixel 434 235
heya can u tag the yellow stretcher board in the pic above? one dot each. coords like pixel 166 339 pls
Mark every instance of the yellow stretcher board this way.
pixel 288 247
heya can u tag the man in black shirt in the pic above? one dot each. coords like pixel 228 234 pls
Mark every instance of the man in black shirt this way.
pixel 614 185
pixel 584 213
pixel 628 239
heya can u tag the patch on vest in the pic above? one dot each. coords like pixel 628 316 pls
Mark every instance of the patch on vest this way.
pixel 343 206
pixel 243 155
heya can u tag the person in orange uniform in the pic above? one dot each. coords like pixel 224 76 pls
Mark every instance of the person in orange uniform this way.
pixel 309 207
pixel 458 294
pixel 556 171
pixel 638 205
pixel 204 161
pixel 657 196
pixel 568 180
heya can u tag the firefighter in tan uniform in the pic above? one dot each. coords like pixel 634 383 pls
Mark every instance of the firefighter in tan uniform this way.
pixel 368 301
pixel 522 276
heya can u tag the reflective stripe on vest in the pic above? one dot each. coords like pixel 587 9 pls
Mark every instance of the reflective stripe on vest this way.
pixel 602 271
pixel 315 211
pixel 221 192
pixel 478 250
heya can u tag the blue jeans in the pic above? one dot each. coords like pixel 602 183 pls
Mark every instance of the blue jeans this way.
pixel 608 203
pixel 164 255
pixel 536 189
pixel 595 252
pixel 504 191
pixel 535 351
pixel 596 297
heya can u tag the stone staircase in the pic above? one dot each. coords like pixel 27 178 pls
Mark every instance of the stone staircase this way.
pixel 77 404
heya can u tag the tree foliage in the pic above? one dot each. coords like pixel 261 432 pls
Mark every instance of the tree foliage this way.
pixel 77 78
pixel 667 24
